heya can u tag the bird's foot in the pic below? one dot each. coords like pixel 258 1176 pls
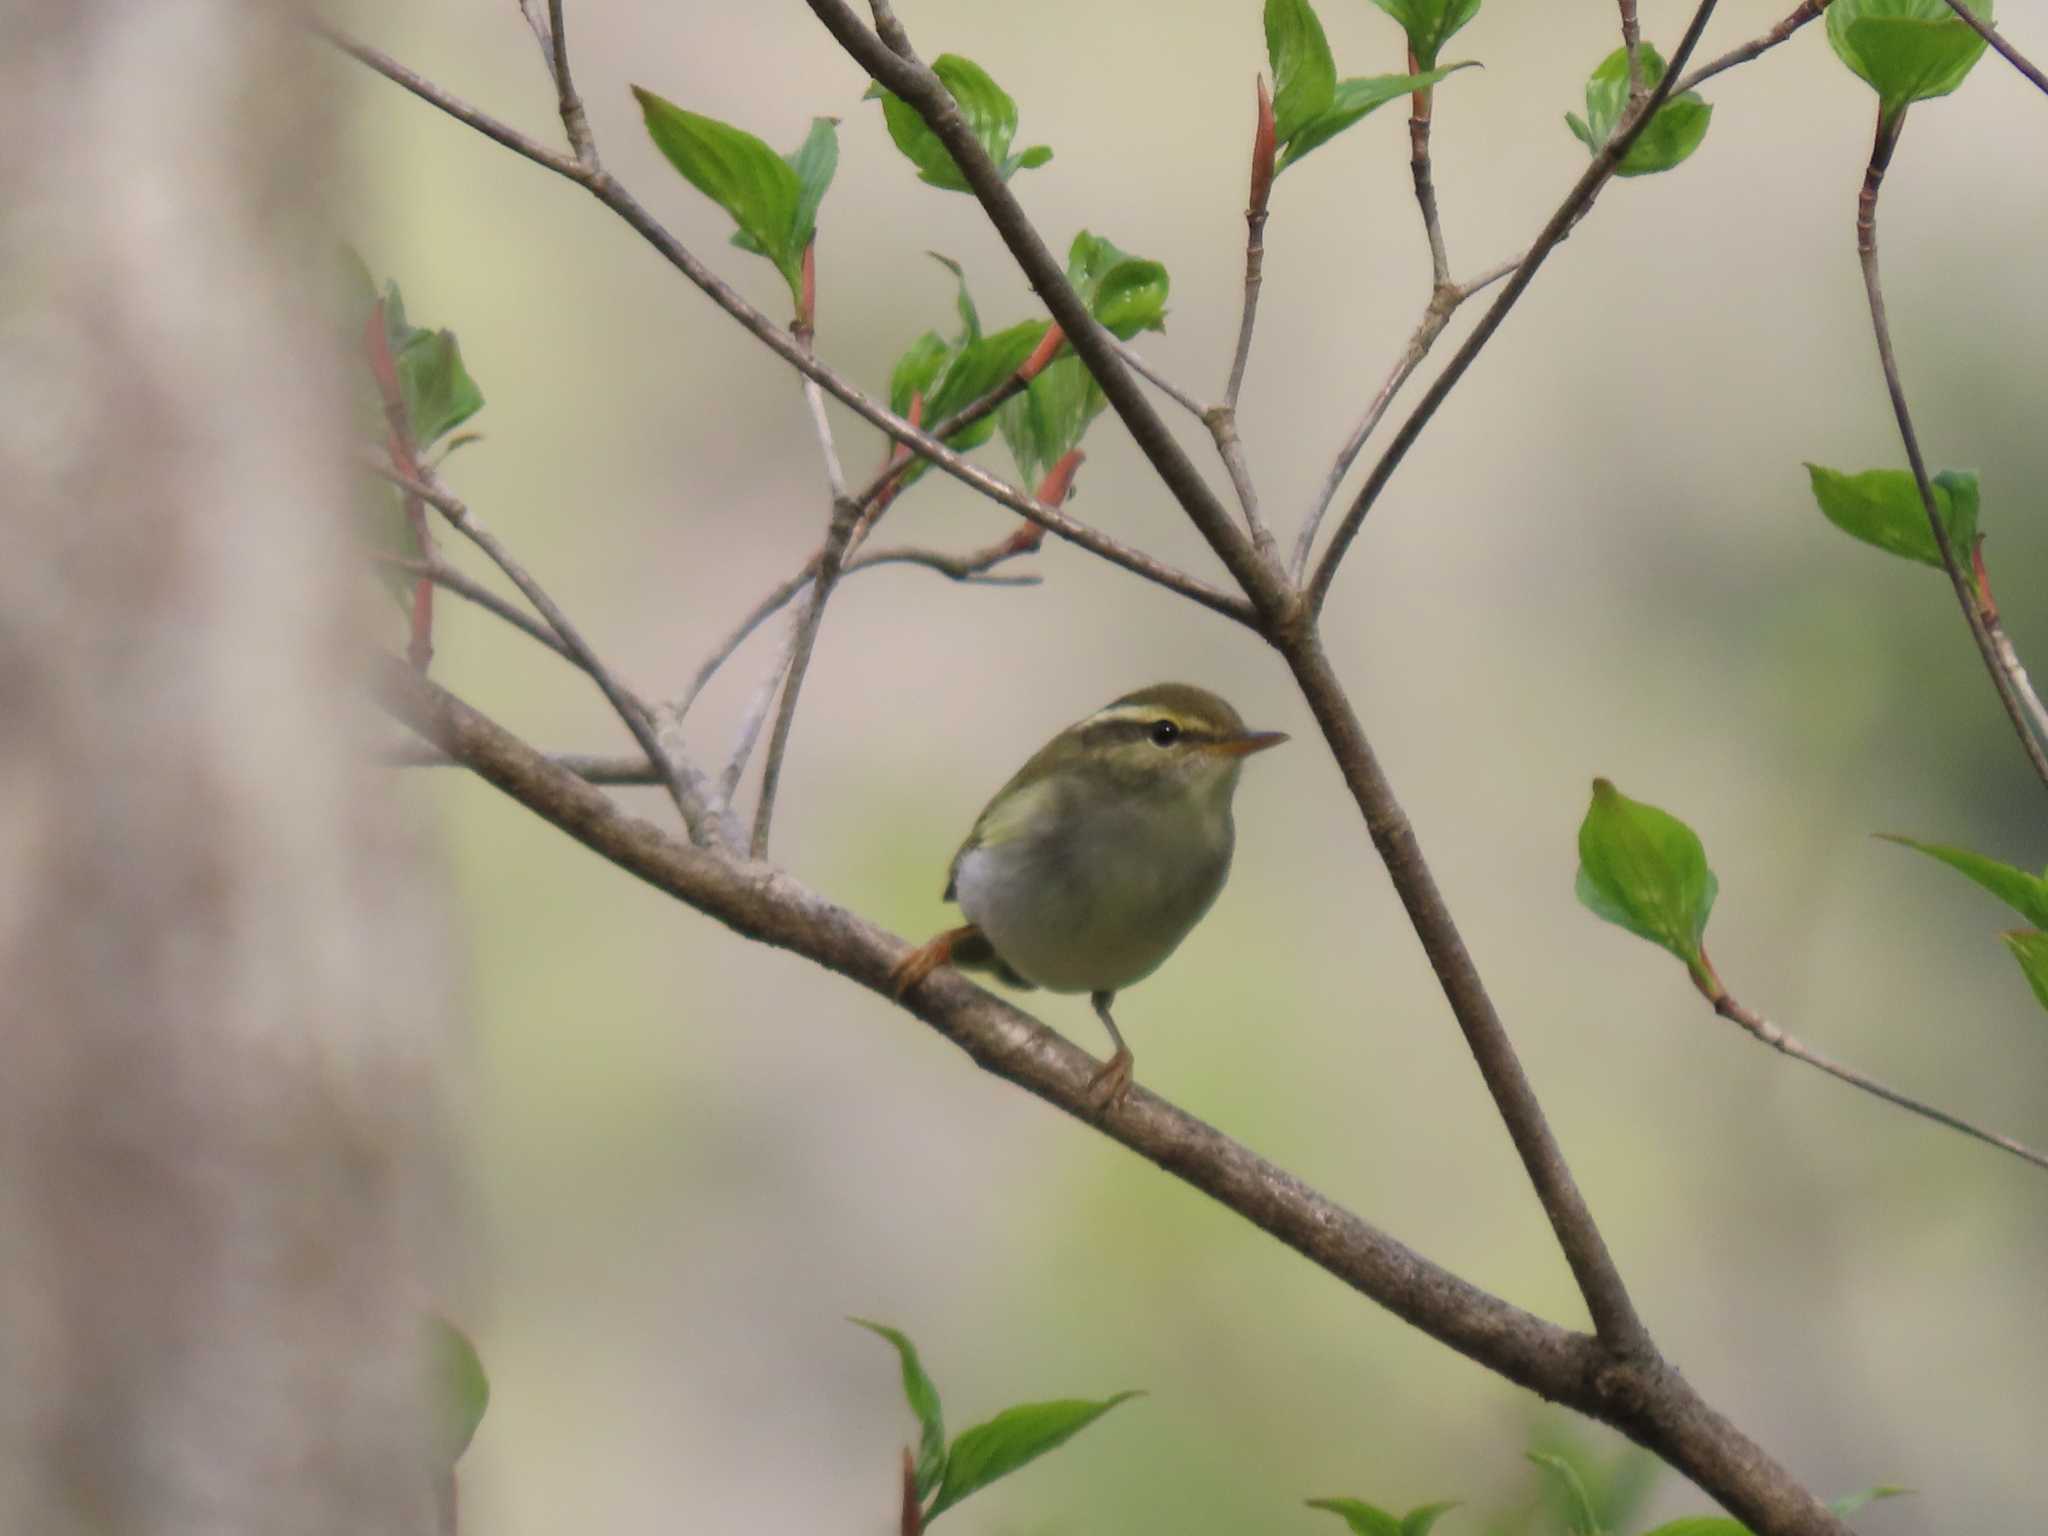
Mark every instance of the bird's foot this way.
pixel 1111 1086
pixel 926 958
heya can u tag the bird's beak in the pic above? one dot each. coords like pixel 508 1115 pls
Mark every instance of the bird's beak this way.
pixel 1248 743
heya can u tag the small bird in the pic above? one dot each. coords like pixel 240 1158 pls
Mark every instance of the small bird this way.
pixel 1091 865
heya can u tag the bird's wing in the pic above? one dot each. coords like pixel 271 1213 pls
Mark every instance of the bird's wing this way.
pixel 1008 816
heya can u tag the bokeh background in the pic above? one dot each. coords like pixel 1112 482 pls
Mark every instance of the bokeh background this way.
pixel 692 1158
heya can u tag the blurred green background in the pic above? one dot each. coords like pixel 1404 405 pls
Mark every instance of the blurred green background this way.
pixel 692 1157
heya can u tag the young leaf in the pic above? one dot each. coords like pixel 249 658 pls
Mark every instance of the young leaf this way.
pixel 1363 1518
pixel 814 161
pixel 1849 1503
pixel 1578 1506
pixel 978 367
pixel 1700 1525
pixel 2026 894
pixel 1883 507
pixel 1429 23
pixel 1011 1439
pixel 970 317
pixel 924 1402
pixel 2029 946
pixel 1304 73
pixel 1042 425
pixel 1906 50
pixel 1370 1520
pixel 461 1388
pixel 1644 870
pixel 1131 297
pixel 439 393
pixel 1671 136
pixel 916 369
pixel 1352 100
pixel 761 191
pixel 990 113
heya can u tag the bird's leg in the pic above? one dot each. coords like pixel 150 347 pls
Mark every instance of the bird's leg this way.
pixel 928 957
pixel 1112 1085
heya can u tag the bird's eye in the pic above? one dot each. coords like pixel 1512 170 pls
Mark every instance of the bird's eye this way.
pixel 1164 733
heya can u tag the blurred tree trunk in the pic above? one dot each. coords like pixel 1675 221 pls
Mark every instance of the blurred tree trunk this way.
pixel 224 1007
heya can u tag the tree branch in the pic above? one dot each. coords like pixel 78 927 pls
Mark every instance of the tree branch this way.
pixel 1997 40
pixel 684 783
pixel 1763 1029
pixel 608 191
pixel 575 121
pixel 1642 1397
pixel 2022 707
pixel 1569 212
pixel 1801 14
pixel 897 67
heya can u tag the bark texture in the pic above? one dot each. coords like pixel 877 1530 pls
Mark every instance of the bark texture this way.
pixel 223 1015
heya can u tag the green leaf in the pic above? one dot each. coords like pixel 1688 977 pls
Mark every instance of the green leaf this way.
pixel 1304 73
pixel 1644 870
pixel 1849 1503
pixel 1352 100
pixel 977 368
pixel 1429 23
pixel 1578 1506
pixel 2029 946
pixel 1370 1520
pixel 1010 1440
pixel 1131 298
pixel 1906 50
pixel 761 191
pixel 1363 1518
pixel 2026 894
pixel 924 1402
pixel 1671 136
pixel 814 161
pixel 1700 1525
pixel 970 317
pixel 461 1388
pixel 916 369
pixel 1047 421
pixel 1422 1519
pixel 439 393
pixel 1883 507
pixel 990 114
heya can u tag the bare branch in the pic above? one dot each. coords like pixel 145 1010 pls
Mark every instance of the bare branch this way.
pixel 1254 241
pixel 442 574
pixel 755 716
pixel 1997 40
pixel 1568 213
pixel 1173 391
pixel 1769 1033
pixel 1801 14
pixel 1640 1395
pixel 590 767
pixel 2022 707
pixel 1607 1299
pixel 575 121
pixel 684 785
pixel 606 190
pixel 1420 108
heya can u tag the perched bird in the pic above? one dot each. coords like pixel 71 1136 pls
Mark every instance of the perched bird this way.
pixel 1090 866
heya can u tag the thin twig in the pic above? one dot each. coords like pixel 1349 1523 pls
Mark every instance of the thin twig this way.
pixel 575 121
pixel 1166 386
pixel 602 186
pixel 1569 212
pixel 1991 35
pixel 1254 241
pixel 2005 680
pixel 590 767
pixel 887 56
pixel 1763 1029
pixel 1632 43
pixel 754 716
pixel 441 574
pixel 682 786
pixel 2001 643
pixel 1421 107
pixel 1436 314
pixel 1801 14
